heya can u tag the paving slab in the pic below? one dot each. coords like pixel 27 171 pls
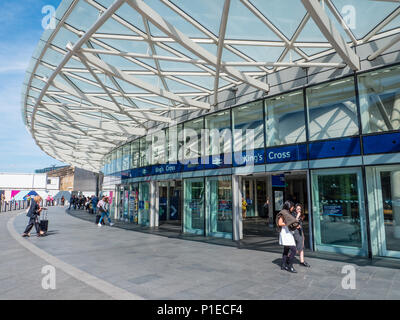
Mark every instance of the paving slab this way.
pixel 152 266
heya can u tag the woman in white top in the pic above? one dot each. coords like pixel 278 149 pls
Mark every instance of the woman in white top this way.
pixel 286 239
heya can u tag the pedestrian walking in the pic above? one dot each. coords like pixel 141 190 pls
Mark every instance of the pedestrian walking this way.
pixel 103 209
pixel 244 208
pixel 33 214
pixel 95 201
pixel 299 233
pixel 286 223
pixel 71 202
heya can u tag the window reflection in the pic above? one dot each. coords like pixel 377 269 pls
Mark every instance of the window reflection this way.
pixel 244 118
pixel 332 110
pixel 380 100
pixel 285 120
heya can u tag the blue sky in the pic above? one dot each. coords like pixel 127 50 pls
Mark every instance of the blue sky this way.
pixel 20 31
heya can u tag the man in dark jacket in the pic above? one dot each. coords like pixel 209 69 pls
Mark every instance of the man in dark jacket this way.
pixel 33 214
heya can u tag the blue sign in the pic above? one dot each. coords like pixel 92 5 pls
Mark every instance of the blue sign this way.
pixel 332 210
pixel 158 169
pixel 141 204
pixel 286 154
pixel 217 161
pixel 335 148
pixel 173 168
pixel 248 158
pixel 278 180
pixel 382 143
pixel 192 165
pixel 125 174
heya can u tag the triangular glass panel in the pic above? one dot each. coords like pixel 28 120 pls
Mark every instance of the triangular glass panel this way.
pixel 112 26
pixel 63 37
pixel 311 33
pixel 174 19
pixel 363 15
pixel 394 24
pixel 129 88
pixel 261 53
pixel 178 87
pixel 242 24
pixel 207 12
pixel 127 13
pixel 285 15
pixel 313 51
pixel 120 62
pixel 83 9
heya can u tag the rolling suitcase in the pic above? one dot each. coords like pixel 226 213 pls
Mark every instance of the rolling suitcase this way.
pixel 44 222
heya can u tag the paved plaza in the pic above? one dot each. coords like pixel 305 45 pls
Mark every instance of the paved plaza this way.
pixel 116 263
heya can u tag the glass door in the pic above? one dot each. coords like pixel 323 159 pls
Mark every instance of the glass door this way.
pixel 219 207
pixel 194 206
pixel 126 204
pixel 249 205
pixel 338 211
pixel 174 206
pixel 163 201
pixel 383 186
pixel 120 203
pixel 134 203
pixel 261 193
pixel 144 204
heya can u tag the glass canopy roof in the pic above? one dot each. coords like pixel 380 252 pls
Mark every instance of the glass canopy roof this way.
pixel 113 68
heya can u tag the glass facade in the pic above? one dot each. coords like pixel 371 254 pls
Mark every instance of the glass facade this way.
pixel 145 152
pixel 118 160
pixel 192 148
pixel 135 154
pixel 248 118
pixel 219 133
pixel 380 100
pixel 158 150
pixel 329 111
pixel 285 120
pixel 332 110
pixel 126 157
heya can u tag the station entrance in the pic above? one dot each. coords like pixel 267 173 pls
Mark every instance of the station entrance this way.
pixel 170 205
pixel 263 197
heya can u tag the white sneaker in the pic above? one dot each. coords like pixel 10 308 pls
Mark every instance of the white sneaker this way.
pixel 111 224
pixel 99 224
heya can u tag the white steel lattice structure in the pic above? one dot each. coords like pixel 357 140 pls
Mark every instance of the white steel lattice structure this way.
pixel 111 70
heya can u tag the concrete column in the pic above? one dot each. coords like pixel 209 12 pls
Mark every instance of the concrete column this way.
pixel 154 204
pixel 395 185
pixel 168 213
pixel 271 202
pixel 237 208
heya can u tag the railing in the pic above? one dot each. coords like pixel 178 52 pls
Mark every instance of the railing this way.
pixel 13 205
